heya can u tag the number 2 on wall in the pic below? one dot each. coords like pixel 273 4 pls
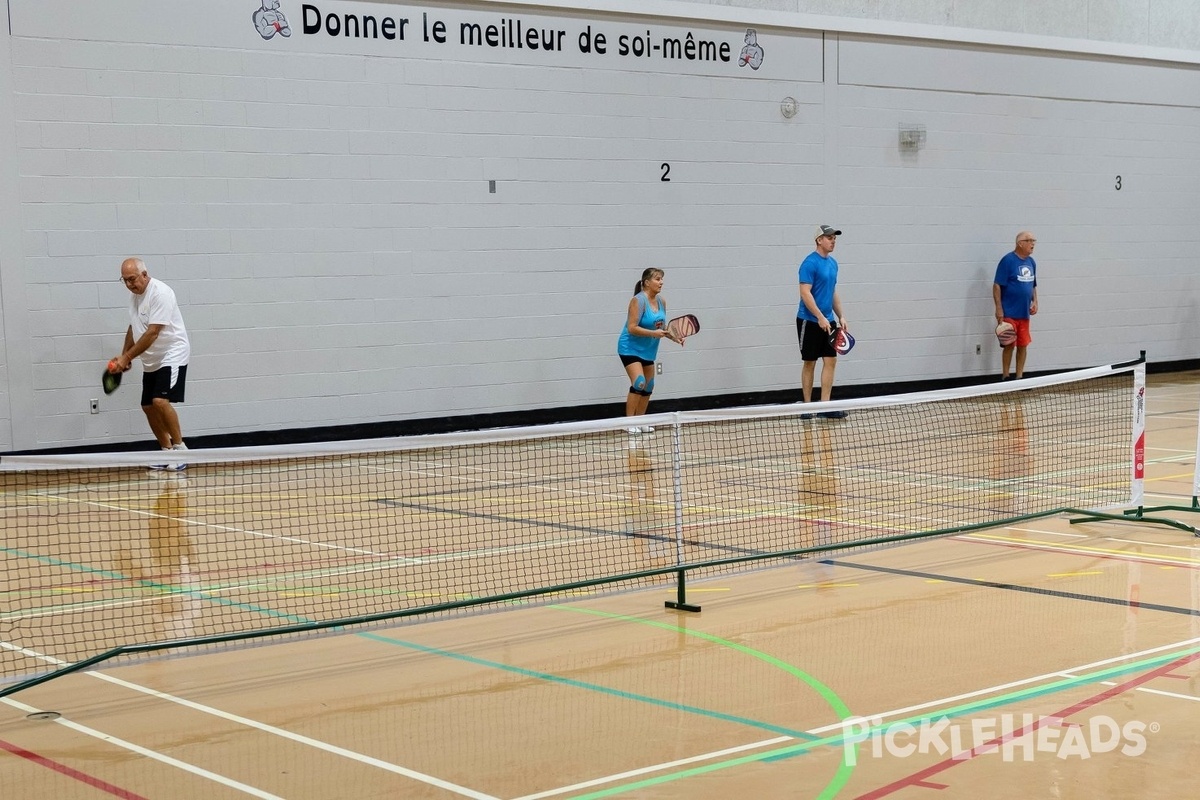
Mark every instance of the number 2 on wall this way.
pixel 666 173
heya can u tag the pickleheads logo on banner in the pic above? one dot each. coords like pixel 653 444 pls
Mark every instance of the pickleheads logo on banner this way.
pixel 1049 737
pixel 269 20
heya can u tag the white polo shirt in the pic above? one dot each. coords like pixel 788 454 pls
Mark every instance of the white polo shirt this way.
pixel 157 306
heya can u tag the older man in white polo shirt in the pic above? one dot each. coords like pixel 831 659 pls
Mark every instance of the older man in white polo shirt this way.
pixel 157 336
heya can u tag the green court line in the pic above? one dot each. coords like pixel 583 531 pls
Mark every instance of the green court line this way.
pixel 577 684
pixel 58 562
pixel 278 583
pixel 838 739
pixel 835 702
pixel 202 594
pixel 840 778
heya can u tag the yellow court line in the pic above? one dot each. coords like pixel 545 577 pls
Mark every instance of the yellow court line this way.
pixel 1085 548
pixel 1182 475
pixel 1073 574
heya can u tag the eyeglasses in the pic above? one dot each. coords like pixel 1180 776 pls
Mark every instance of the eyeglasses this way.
pixel 1031 241
pixel 129 281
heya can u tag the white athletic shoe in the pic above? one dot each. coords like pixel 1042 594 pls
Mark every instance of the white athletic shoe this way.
pixel 634 431
pixel 170 467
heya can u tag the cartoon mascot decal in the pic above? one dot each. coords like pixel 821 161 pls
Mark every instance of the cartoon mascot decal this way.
pixel 269 20
pixel 752 53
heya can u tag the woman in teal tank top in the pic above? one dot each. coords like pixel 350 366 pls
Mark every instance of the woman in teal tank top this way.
pixel 645 326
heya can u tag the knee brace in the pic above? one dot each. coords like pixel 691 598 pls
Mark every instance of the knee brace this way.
pixel 639 386
pixel 649 390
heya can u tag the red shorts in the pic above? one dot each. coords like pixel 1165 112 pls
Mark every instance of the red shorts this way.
pixel 1022 327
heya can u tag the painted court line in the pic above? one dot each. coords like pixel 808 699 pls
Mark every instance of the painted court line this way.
pixel 240 720
pixel 633 773
pixel 1194 548
pixel 273 581
pixel 1097 552
pixel 298 738
pixel 246 531
pixel 1070 672
pixel 74 774
pixel 1020 588
pixel 839 726
pixel 1042 531
pixel 838 739
pixel 195 523
pixel 920 777
pixel 578 684
pixel 1172 695
pixel 147 753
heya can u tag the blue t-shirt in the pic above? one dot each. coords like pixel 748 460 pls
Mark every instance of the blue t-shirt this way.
pixel 644 347
pixel 1017 278
pixel 820 272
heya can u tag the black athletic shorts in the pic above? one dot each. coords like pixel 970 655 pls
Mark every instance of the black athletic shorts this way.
pixel 168 382
pixel 814 342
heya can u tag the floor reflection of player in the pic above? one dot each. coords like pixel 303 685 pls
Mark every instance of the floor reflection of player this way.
pixel 1010 460
pixel 643 507
pixel 172 556
pixel 818 495
pixel 162 571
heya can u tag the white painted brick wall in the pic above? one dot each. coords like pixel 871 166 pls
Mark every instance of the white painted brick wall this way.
pixel 326 222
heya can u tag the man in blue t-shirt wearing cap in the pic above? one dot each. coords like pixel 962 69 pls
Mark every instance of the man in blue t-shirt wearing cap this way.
pixel 819 313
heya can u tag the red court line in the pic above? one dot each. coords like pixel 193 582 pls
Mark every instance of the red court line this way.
pixel 920 778
pixel 95 783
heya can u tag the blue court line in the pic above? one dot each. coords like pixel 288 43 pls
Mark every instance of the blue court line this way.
pixel 577 684
pixel 544 676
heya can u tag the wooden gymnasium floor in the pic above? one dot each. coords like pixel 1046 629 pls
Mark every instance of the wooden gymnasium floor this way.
pixel 1068 653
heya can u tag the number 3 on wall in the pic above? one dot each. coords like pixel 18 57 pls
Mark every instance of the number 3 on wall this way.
pixel 666 173
pixel 1118 183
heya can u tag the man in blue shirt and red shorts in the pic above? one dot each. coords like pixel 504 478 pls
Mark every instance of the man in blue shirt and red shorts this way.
pixel 1015 294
